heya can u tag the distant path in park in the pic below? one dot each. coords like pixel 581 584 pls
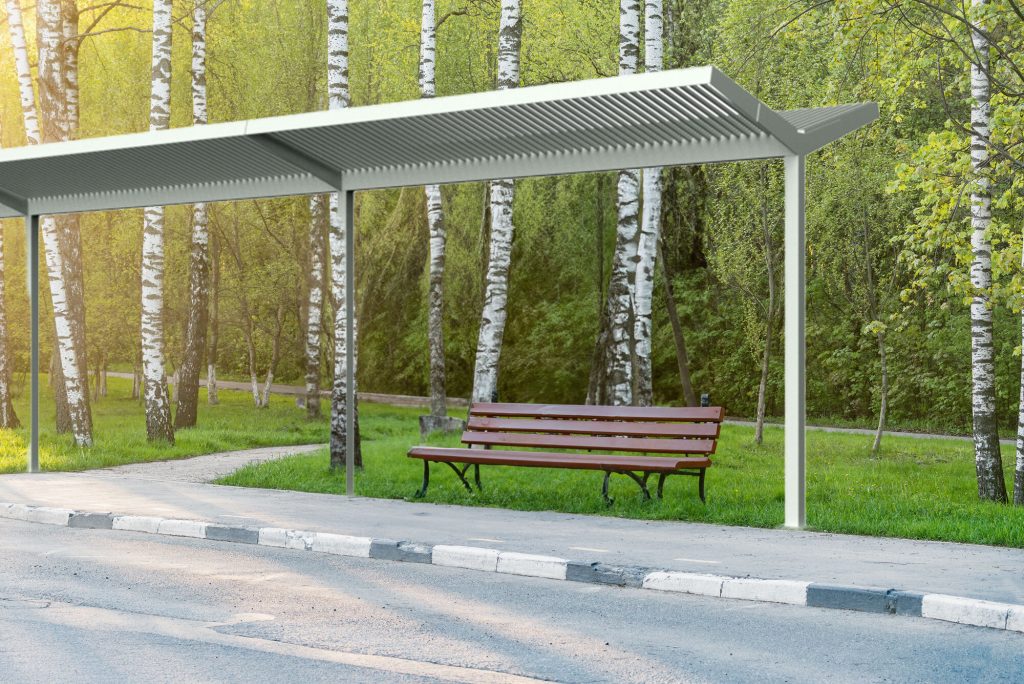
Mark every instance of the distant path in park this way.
pixel 207 468
pixel 410 400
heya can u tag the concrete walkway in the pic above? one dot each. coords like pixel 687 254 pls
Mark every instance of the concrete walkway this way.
pixel 205 468
pixel 995 574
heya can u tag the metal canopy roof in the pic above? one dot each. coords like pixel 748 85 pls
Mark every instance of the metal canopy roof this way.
pixel 685 116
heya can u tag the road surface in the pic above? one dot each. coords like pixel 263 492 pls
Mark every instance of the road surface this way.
pixel 99 606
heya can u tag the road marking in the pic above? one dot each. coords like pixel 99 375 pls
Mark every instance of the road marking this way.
pixel 485 539
pixel 587 548
pixel 697 560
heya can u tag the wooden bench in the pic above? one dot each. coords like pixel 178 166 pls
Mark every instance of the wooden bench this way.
pixel 633 441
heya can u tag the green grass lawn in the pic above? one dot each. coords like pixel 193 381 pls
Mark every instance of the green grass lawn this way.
pixel 119 429
pixel 918 488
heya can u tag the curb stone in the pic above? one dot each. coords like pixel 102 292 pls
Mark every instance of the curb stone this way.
pixel 956 609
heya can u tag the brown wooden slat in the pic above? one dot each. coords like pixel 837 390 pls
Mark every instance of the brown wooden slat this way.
pixel 594 427
pixel 588 442
pixel 630 413
pixel 557 460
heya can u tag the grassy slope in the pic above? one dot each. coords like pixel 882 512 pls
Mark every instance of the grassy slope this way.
pixel 917 488
pixel 120 431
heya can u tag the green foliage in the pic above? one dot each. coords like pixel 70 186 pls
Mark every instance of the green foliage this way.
pixel 886 201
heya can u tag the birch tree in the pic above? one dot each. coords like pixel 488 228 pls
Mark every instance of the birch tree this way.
pixel 650 228
pixel 157 401
pixel 620 306
pixel 53 128
pixel 436 228
pixel 988 460
pixel 318 221
pixel 70 225
pixel 492 322
pixel 199 259
pixel 212 396
pixel 338 98
pixel 8 418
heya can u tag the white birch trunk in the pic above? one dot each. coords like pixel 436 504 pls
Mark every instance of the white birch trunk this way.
pixel 212 396
pixel 436 227
pixel 621 319
pixel 318 207
pixel 492 320
pixel 1018 470
pixel 26 90
pixel 187 388
pixel 157 402
pixel 650 227
pixel 338 98
pixel 988 461
pixel 55 127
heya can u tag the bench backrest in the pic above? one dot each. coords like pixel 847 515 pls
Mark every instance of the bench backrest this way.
pixel 655 430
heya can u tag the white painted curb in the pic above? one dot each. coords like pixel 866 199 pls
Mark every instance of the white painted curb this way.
pixel 182 528
pixel 526 564
pixel 286 539
pixel 685 582
pixel 50 516
pixel 340 544
pixel 469 557
pixel 137 523
pixel 965 611
pixel 771 591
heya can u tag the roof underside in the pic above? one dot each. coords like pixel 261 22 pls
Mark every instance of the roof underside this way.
pixel 687 116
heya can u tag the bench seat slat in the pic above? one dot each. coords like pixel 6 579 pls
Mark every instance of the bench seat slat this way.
pixel 589 442
pixel 557 460
pixel 593 427
pixel 627 413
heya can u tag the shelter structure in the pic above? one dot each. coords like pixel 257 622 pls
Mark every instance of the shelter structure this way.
pixel 669 118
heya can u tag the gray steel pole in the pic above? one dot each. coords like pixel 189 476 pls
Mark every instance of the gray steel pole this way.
pixel 32 240
pixel 348 197
pixel 795 355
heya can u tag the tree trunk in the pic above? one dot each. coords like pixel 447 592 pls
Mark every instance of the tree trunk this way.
pixel 620 304
pixel 650 229
pixel 1018 470
pixel 55 128
pixel 338 98
pixel 436 228
pixel 8 419
pixel 137 379
pixel 318 207
pixel 769 324
pixel 70 225
pixel 682 358
pixel 212 397
pixel 158 406
pixel 199 260
pixel 987 458
pixel 883 401
pixel 275 356
pixel 492 319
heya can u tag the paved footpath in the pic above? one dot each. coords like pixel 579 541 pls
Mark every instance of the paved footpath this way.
pixel 990 573
pixel 205 468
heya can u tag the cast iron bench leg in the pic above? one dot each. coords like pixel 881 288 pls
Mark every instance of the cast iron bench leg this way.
pixel 426 480
pixel 700 486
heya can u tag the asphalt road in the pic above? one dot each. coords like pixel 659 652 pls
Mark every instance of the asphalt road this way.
pixel 95 606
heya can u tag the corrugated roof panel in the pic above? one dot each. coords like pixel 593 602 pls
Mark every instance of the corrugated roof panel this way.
pixel 684 116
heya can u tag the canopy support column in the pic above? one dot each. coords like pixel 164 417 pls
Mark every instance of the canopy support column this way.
pixel 32 241
pixel 346 201
pixel 795 373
